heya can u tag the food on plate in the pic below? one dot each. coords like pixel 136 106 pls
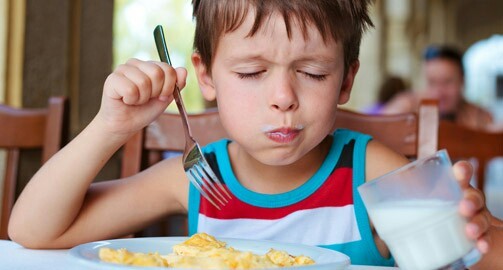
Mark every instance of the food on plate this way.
pixel 122 256
pixel 203 251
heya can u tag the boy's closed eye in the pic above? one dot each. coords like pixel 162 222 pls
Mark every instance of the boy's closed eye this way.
pixel 249 75
pixel 318 77
pixel 256 75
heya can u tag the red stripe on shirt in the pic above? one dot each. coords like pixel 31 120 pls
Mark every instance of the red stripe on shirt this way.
pixel 337 191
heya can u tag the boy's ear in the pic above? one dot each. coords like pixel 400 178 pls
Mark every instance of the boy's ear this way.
pixel 203 77
pixel 347 84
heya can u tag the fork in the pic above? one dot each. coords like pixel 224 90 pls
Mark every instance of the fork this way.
pixel 195 165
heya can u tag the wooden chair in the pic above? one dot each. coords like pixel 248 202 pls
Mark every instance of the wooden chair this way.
pixel 411 134
pixel 465 143
pixel 27 129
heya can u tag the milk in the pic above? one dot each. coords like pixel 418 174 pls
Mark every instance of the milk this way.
pixel 422 234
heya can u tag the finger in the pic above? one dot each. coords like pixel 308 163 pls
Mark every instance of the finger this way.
pixel 484 244
pixel 463 172
pixel 169 82
pixel 118 87
pixel 156 73
pixel 477 227
pixel 181 77
pixel 142 81
pixel 472 202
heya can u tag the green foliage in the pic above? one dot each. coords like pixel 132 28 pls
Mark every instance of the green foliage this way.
pixel 134 22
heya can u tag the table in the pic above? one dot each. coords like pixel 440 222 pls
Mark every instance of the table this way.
pixel 15 257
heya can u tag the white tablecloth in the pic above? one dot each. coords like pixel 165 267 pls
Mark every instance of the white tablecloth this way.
pixel 14 257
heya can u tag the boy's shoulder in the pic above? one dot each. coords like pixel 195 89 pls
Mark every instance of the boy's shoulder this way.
pixel 346 135
pixel 216 146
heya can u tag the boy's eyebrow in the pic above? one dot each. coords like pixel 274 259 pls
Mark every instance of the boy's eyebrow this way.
pixel 318 58
pixel 244 57
pixel 258 57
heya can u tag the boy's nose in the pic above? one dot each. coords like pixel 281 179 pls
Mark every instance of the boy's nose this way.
pixel 283 96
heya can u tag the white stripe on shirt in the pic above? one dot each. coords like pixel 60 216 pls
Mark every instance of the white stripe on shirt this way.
pixel 305 226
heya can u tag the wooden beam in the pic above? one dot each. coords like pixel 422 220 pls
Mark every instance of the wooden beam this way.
pixel 4 7
pixel 15 52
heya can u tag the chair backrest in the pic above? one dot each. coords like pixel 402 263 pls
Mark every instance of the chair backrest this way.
pixel 166 134
pixel 27 129
pixel 413 134
pixel 464 143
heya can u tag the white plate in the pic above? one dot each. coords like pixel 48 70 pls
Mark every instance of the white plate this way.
pixel 325 259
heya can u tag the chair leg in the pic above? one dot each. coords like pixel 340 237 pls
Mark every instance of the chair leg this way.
pixel 9 190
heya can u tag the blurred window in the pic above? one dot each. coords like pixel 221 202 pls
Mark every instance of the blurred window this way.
pixel 134 22
pixel 483 63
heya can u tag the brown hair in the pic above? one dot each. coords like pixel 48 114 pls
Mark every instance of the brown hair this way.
pixel 392 86
pixel 337 20
pixel 446 52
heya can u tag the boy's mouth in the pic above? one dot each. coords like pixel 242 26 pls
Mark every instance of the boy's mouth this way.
pixel 283 134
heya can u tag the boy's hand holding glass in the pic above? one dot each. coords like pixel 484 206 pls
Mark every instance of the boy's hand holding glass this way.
pixel 472 206
pixel 427 221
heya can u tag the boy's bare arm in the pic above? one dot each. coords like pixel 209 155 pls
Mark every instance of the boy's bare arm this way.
pixel 52 200
pixel 59 209
pixel 379 161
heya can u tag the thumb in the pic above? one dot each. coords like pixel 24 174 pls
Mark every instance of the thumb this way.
pixel 463 172
pixel 181 77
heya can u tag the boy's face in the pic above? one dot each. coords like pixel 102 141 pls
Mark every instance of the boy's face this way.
pixel 277 97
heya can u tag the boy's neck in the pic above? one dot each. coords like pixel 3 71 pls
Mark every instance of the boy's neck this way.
pixel 267 179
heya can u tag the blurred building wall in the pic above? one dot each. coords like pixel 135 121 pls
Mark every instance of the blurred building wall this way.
pixel 405 27
pixel 66 50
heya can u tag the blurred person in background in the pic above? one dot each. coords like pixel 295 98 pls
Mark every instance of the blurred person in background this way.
pixel 391 87
pixel 444 76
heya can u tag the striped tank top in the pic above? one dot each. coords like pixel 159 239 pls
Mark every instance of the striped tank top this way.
pixel 326 211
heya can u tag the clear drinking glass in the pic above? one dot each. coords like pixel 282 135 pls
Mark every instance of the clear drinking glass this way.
pixel 415 211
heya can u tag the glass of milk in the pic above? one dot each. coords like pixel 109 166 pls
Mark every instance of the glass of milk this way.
pixel 415 211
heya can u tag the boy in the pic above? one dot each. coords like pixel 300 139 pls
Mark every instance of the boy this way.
pixel 278 70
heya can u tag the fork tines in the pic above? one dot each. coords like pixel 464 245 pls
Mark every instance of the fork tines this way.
pixel 208 184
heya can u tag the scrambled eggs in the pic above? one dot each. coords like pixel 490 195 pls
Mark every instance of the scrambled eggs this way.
pixel 203 251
